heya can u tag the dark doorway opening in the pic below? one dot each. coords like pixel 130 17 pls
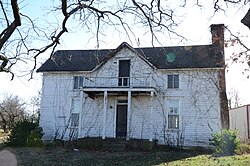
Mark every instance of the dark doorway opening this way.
pixel 121 121
pixel 124 73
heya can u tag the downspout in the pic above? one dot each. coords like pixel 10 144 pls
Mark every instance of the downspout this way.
pixel 248 133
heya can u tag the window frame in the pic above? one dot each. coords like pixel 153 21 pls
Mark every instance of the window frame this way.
pixel 173 110
pixel 75 111
pixel 77 82
pixel 174 83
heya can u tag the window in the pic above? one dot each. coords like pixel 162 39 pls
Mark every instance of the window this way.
pixel 74 119
pixel 173 81
pixel 78 82
pixel 173 114
pixel 76 107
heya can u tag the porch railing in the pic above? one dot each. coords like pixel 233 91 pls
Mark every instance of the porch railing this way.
pixel 117 82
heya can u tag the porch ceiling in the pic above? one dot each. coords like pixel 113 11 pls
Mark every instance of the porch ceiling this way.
pixel 117 90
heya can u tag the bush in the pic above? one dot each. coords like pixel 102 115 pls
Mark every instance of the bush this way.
pixel 226 142
pixel 244 149
pixel 25 133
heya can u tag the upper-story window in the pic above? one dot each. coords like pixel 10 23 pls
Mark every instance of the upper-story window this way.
pixel 173 81
pixel 78 82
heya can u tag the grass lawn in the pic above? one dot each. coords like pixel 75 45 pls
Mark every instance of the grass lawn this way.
pixel 63 156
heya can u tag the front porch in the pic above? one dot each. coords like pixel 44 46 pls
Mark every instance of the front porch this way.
pixel 119 86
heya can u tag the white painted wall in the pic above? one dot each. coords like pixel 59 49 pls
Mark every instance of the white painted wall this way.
pixel 198 95
pixel 238 121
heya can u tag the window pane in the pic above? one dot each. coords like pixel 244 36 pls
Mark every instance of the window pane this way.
pixel 76 83
pixel 171 110
pixel 176 81
pixel 175 110
pixel 173 106
pixel 80 82
pixel 173 121
pixel 170 81
pixel 74 119
pixel 76 105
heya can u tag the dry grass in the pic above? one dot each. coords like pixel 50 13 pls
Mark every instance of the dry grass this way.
pixel 63 156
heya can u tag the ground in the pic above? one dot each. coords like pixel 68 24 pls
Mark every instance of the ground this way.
pixel 66 156
pixel 63 156
pixel 7 158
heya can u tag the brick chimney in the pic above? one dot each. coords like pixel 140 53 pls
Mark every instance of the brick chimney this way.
pixel 217 31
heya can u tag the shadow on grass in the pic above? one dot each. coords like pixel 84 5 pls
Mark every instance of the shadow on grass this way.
pixel 66 156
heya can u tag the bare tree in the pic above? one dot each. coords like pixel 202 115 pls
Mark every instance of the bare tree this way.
pixel 243 55
pixel 95 15
pixel 19 30
pixel 11 110
pixel 35 104
pixel 233 99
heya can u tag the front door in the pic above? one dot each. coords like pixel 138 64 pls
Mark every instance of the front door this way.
pixel 121 121
pixel 124 72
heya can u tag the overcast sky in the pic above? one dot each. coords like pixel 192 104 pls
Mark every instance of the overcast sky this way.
pixel 194 26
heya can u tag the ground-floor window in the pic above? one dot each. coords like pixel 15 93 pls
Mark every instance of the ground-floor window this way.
pixel 74 117
pixel 173 114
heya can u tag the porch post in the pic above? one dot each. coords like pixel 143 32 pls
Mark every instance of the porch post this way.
pixel 82 99
pixel 128 115
pixel 151 116
pixel 104 114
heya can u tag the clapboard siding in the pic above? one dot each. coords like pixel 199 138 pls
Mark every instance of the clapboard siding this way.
pixel 198 95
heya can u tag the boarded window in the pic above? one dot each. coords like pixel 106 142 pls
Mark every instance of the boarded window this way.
pixel 173 81
pixel 173 114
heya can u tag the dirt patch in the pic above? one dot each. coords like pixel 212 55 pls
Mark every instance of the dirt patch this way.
pixel 7 158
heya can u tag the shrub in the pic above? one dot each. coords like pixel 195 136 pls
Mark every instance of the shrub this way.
pixel 226 142
pixel 244 149
pixel 25 133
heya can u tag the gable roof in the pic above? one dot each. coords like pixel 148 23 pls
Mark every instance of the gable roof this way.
pixel 119 48
pixel 204 56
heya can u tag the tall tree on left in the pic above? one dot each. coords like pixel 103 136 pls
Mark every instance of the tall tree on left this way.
pixel 7 32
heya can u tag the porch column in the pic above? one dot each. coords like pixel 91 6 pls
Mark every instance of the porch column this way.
pixel 151 116
pixel 82 100
pixel 128 115
pixel 104 114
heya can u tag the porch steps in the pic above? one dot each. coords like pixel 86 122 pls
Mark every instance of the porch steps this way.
pixel 111 144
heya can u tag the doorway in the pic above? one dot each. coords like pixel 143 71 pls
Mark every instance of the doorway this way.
pixel 121 119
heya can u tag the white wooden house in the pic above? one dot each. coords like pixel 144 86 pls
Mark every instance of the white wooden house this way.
pixel 174 95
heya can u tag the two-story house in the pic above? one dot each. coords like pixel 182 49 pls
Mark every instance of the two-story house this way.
pixel 175 95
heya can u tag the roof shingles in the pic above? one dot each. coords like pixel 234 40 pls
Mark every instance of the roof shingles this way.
pixel 204 56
